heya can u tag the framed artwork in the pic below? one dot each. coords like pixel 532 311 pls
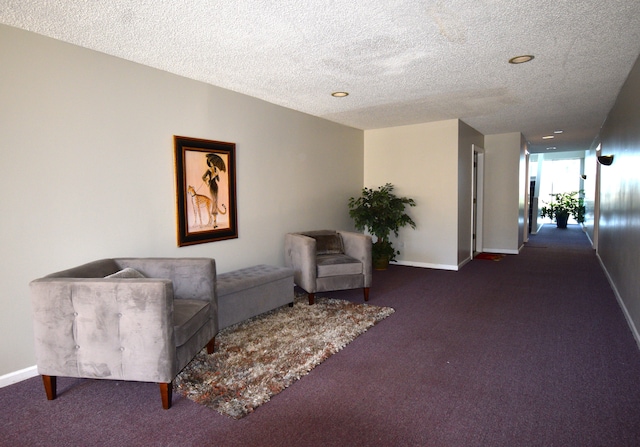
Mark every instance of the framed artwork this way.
pixel 205 190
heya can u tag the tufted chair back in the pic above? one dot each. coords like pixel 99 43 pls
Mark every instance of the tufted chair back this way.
pixel 139 319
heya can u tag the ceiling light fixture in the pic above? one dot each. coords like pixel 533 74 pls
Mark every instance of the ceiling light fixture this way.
pixel 521 59
pixel 548 137
pixel 552 148
pixel 339 94
pixel 558 131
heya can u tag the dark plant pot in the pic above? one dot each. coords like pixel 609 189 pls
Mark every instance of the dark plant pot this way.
pixel 561 220
pixel 381 263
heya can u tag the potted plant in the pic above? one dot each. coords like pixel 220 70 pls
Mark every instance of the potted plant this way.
pixel 563 205
pixel 381 212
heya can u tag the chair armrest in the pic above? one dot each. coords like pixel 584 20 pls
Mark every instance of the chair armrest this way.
pixel 104 328
pixel 300 255
pixel 193 278
pixel 358 246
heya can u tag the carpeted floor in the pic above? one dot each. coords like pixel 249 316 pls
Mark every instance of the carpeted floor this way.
pixel 262 356
pixel 532 351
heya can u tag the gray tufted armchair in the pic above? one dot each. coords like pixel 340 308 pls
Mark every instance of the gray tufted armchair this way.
pixel 325 260
pixel 140 319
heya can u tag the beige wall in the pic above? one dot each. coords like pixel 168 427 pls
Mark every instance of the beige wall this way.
pixel 432 163
pixel 619 225
pixel 421 161
pixel 87 171
pixel 503 193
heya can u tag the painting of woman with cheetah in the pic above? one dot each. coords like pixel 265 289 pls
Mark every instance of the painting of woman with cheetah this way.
pixel 208 192
pixel 211 177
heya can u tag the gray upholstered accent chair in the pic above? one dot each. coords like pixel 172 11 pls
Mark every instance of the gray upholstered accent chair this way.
pixel 140 319
pixel 325 260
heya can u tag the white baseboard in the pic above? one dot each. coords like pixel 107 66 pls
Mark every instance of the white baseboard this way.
pixel 426 265
pixel 18 376
pixel 632 326
pixel 501 251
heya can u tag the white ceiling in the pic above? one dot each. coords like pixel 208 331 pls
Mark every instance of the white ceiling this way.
pixel 402 61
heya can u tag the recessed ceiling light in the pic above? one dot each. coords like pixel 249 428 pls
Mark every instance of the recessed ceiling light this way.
pixel 558 131
pixel 339 94
pixel 552 148
pixel 521 59
pixel 548 137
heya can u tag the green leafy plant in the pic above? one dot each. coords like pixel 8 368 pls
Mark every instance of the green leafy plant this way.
pixel 563 205
pixel 381 212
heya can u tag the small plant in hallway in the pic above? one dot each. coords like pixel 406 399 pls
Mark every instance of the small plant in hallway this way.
pixel 381 212
pixel 562 206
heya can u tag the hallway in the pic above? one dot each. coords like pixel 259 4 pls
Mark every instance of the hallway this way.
pixel 532 350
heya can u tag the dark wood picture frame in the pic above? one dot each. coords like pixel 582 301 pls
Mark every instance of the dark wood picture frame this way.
pixel 205 190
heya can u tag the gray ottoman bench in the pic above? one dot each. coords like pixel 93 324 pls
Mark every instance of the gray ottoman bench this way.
pixel 248 292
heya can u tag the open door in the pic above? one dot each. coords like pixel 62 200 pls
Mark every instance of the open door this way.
pixel 477 194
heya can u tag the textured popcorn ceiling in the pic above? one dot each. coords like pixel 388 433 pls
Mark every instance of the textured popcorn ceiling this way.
pixel 403 62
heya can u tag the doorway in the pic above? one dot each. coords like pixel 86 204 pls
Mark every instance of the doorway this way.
pixel 477 200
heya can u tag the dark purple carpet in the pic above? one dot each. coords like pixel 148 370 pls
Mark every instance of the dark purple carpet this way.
pixel 529 351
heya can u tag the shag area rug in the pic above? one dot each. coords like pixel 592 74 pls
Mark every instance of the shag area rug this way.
pixel 256 359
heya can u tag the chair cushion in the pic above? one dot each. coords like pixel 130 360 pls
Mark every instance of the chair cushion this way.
pixel 188 317
pixel 337 265
pixel 327 242
pixel 249 277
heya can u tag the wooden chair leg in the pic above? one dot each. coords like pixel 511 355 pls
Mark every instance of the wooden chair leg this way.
pixel 312 298
pixel 366 293
pixel 166 393
pixel 211 345
pixel 49 386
